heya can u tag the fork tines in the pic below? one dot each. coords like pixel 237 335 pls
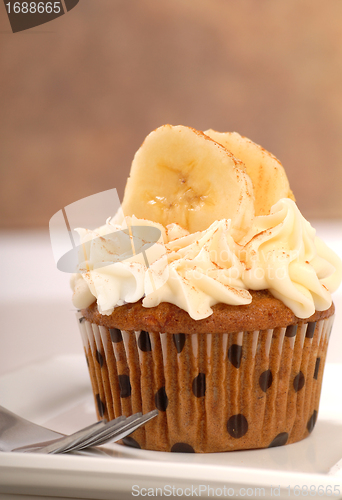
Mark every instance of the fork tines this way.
pixel 97 434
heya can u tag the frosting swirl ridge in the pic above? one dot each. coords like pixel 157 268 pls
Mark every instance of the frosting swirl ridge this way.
pixel 283 254
pixel 192 271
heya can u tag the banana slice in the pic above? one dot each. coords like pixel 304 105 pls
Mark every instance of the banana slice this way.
pixel 179 175
pixel 267 173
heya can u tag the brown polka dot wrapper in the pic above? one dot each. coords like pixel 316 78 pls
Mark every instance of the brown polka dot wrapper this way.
pixel 214 392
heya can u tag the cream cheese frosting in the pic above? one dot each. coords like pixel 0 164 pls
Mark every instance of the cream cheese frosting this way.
pixel 195 271
pixel 283 254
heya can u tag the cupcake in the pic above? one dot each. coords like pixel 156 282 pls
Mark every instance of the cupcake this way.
pixel 208 297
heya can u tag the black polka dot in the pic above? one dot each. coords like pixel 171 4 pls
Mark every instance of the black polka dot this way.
pixel 310 330
pixel 81 319
pixel 198 385
pixel 182 448
pixel 298 382
pixel 179 341
pixel 161 399
pixel 235 354
pixel 100 405
pixel 115 335
pixel 99 358
pixel 144 342
pixel 312 421
pixel 125 386
pixel 291 331
pixel 279 440
pixel 318 360
pixel 265 380
pixel 129 441
pixel 237 426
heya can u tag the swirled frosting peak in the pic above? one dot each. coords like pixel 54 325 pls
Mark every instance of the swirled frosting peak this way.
pixel 203 269
pixel 281 253
pixel 193 271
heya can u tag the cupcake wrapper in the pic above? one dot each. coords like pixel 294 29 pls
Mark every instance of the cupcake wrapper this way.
pixel 214 392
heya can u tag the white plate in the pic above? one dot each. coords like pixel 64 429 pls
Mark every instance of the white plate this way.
pixel 57 393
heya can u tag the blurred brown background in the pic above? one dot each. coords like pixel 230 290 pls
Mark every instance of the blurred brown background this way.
pixel 79 94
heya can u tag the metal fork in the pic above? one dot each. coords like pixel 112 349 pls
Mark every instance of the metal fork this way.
pixel 15 430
